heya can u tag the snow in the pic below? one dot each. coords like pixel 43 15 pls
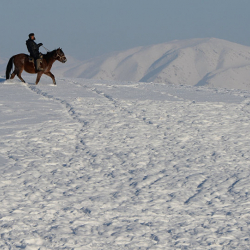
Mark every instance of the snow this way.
pixel 93 164
pixel 203 62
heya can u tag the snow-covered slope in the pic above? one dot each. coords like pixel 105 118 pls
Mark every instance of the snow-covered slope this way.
pixel 212 62
pixel 123 165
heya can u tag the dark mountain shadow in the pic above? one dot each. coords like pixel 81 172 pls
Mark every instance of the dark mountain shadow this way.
pixel 159 65
pixel 204 80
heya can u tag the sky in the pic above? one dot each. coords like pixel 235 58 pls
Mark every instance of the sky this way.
pixel 90 28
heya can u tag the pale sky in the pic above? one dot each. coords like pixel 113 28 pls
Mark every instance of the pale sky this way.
pixel 88 28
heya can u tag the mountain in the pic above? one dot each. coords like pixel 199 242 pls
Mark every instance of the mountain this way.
pixel 201 62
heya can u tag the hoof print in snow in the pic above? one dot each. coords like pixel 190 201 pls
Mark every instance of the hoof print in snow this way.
pixel 154 237
pixel 85 210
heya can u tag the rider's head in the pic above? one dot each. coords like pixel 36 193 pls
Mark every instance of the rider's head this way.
pixel 32 36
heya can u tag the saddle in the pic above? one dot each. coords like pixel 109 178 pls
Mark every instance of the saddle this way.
pixel 38 63
pixel 32 60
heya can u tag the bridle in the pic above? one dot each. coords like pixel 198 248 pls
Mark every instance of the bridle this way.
pixel 61 58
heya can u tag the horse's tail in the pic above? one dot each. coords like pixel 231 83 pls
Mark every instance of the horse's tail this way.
pixel 9 67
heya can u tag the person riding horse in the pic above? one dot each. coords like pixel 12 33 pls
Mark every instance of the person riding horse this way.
pixel 33 49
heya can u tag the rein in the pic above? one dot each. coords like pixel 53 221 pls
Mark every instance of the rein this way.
pixel 46 49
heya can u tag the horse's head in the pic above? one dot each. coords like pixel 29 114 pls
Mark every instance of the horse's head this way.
pixel 59 55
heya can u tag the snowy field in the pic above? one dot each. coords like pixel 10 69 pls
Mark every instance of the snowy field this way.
pixel 123 165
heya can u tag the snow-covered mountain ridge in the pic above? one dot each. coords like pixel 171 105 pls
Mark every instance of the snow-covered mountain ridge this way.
pixel 210 61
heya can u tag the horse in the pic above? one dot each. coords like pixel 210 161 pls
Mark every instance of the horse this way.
pixel 22 62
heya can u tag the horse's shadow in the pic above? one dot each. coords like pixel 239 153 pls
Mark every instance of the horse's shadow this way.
pixel 2 80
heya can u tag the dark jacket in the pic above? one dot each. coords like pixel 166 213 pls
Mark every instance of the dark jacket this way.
pixel 33 48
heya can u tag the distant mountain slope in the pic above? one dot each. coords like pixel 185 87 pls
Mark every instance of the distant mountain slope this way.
pixel 60 69
pixel 209 61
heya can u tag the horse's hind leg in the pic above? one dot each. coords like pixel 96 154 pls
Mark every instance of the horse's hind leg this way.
pixel 13 74
pixel 19 75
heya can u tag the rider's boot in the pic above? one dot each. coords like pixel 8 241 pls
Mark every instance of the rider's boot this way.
pixel 38 65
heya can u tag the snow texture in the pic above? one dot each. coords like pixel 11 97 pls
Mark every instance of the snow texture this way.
pixel 94 164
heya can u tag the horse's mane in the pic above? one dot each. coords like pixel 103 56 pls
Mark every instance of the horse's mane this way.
pixel 50 53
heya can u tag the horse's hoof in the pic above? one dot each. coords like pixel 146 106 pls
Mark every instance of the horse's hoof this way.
pixel 54 83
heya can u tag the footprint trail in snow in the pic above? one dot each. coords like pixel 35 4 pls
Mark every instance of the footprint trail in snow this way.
pixel 107 165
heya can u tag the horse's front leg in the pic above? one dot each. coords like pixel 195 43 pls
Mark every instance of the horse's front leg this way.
pixel 52 77
pixel 39 74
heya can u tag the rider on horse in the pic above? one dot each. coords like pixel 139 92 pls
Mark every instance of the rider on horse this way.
pixel 33 48
pixel 22 62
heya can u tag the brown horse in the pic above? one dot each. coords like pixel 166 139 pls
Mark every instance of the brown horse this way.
pixel 21 62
